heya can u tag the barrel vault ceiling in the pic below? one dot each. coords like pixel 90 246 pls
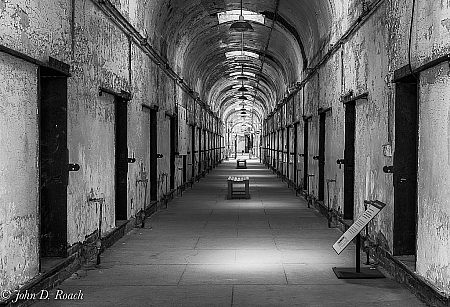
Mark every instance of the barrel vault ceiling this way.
pixel 286 36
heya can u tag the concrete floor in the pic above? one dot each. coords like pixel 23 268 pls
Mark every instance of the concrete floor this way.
pixel 204 250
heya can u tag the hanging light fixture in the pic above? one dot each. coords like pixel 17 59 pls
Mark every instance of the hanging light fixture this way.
pixel 242 77
pixel 241 25
pixel 242 88
pixel 243 110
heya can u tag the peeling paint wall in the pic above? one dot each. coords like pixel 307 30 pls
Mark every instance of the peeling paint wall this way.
pixel 361 66
pixel 100 59
pixel 19 173
pixel 433 242
pixel 100 54
pixel 431 31
pixel 369 57
pixel 24 28
pixel 329 97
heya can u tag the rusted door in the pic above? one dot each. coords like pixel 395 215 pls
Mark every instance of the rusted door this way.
pixel 405 169
pixel 193 151
pixel 153 155
pixel 295 155
pixel 53 166
pixel 173 149
pixel 121 158
pixel 349 160
pixel 322 130
pixel 305 153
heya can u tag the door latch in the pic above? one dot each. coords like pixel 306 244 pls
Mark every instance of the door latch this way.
pixel 340 162
pixel 388 169
pixel 73 167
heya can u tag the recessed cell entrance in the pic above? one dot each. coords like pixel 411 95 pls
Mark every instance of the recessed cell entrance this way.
pixel 121 157
pixel 405 168
pixel 54 165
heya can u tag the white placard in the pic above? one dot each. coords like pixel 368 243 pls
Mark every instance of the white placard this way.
pixel 357 226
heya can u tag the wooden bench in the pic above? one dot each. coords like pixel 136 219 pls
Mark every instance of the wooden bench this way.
pixel 241 163
pixel 232 193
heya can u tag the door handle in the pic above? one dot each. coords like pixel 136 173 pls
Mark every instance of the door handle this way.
pixel 388 169
pixel 73 167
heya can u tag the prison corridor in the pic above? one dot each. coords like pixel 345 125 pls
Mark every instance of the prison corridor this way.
pixel 207 250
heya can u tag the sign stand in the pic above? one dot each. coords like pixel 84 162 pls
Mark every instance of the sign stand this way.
pixel 347 237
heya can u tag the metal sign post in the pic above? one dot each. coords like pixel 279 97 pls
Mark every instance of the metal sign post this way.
pixel 348 236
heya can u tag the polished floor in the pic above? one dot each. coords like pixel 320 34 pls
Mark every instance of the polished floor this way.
pixel 205 250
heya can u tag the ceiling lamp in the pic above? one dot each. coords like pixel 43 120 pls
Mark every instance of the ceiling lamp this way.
pixel 242 89
pixel 242 77
pixel 241 25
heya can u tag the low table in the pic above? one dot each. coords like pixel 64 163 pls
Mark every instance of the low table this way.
pixel 241 163
pixel 232 193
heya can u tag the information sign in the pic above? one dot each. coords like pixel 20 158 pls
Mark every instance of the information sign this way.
pixel 357 226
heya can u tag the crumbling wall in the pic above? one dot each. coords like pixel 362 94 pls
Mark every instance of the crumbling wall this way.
pixel 431 41
pixel 329 97
pixel 433 243
pixel 100 60
pixel 19 173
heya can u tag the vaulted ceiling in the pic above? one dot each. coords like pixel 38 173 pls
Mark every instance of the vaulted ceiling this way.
pixel 287 36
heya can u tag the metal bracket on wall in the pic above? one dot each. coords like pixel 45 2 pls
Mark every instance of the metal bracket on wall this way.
pixel 349 98
pixel 171 115
pixel 123 94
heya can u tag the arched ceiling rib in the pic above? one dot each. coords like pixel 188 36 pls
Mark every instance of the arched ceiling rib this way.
pixel 189 35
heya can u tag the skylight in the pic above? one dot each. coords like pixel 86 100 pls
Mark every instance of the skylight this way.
pixel 250 74
pixel 233 15
pixel 234 54
pixel 236 86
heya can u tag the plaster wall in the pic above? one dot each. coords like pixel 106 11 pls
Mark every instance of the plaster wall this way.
pixel 100 55
pixel 311 106
pixel 433 227
pixel 431 38
pixel 362 66
pixel 370 57
pixel 100 60
pixel 19 173
pixel 366 69
pixel 330 97
pixel 144 82
pixel 24 28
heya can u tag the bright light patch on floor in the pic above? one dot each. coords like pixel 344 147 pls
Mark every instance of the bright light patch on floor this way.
pixel 233 15
pixel 234 54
